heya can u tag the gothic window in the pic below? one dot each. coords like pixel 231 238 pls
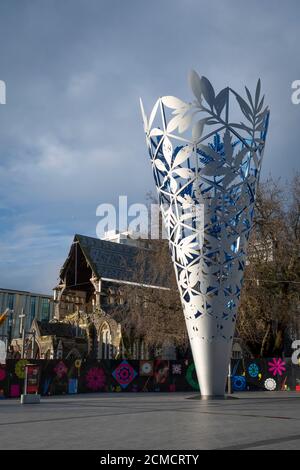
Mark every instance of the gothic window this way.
pixel 143 350
pixel 59 351
pixel 105 342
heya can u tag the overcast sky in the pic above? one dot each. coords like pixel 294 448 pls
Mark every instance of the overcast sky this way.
pixel 71 135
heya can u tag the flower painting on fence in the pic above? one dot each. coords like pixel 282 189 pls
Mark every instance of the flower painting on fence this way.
pixel 276 366
pixel 146 368
pixel 20 368
pixel 60 369
pixel 124 374
pixel 2 373
pixel 253 370
pixel 161 371
pixel 176 369
pixel 61 377
pixel 95 378
pixel 270 384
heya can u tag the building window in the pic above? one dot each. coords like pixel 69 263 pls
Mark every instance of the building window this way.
pixel 45 310
pixel 105 343
pixel 143 351
pixel 121 297
pixel 136 349
pixel 11 300
pixel 237 352
pixel 32 308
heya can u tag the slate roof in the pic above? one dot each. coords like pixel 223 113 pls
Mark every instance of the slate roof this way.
pixel 55 329
pixel 120 262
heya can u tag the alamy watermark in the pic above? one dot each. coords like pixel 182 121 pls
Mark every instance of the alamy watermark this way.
pixel 296 353
pixel 295 96
pixel 2 92
pixel 145 222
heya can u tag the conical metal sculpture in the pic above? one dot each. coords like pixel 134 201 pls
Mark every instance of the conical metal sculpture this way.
pixel 206 168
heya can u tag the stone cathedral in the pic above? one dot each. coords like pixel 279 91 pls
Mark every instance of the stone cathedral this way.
pixel 90 298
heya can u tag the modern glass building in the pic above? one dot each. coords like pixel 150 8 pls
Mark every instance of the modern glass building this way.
pixel 32 305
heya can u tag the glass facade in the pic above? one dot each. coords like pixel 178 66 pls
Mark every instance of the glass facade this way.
pixel 11 301
pixel 45 309
pixel 32 308
pixel 32 305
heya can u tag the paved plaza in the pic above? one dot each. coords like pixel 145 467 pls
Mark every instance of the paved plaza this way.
pixel 175 421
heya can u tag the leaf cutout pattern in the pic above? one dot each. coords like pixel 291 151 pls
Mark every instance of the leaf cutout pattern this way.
pixel 198 129
pixel 167 150
pixel 195 84
pixel 220 101
pixel 208 91
pixel 206 183
pixel 173 102
pixel 182 155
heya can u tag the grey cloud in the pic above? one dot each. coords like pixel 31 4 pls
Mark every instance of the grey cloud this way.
pixel 71 133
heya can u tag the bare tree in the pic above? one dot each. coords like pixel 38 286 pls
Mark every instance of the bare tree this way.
pixel 269 305
pixel 270 298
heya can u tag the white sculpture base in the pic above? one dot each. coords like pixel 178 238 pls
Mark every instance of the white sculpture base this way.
pixel 211 362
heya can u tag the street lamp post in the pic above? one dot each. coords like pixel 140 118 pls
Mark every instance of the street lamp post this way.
pixel 9 330
pixel 22 331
